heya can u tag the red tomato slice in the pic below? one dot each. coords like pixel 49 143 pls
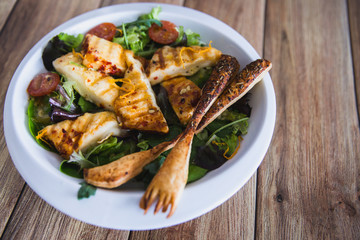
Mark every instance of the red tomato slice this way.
pixel 43 84
pixel 164 35
pixel 104 30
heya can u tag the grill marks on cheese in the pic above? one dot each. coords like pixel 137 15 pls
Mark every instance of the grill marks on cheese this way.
pixel 94 86
pixel 168 62
pixel 74 135
pixel 104 56
pixel 139 109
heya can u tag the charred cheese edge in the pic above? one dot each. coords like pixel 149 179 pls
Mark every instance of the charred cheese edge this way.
pixel 183 95
pixel 79 134
pixel 103 56
pixel 139 110
pixel 94 86
pixel 168 62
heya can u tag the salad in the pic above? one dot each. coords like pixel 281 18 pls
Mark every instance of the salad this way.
pixel 55 99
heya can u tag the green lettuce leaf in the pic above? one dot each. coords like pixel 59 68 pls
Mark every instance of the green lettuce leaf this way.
pixel 86 190
pixel 193 38
pixel 195 173
pixel 86 106
pixel 154 14
pixel 71 41
pixel 38 117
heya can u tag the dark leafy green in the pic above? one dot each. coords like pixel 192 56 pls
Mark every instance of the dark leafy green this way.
pixel 201 76
pixel 135 34
pixel 38 117
pixel 58 46
pixel 86 106
pixel 195 173
pixel 86 190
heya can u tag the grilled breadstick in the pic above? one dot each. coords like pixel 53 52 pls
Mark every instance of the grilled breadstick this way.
pixel 243 82
pixel 168 184
pixel 120 171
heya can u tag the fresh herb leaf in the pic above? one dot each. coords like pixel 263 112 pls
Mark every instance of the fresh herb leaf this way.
pixel 143 145
pixel 107 144
pixel 209 157
pixel 227 144
pixel 38 117
pixel 78 158
pixel 213 135
pixel 71 41
pixel 193 38
pixel 86 190
pixel 71 169
pixel 154 14
pixel 135 36
pixel 154 140
pixel 181 39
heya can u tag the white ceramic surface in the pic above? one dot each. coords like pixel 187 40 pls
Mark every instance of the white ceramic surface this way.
pixel 119 209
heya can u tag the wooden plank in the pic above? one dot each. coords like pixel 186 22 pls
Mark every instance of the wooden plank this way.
pixel 15 42
pixel 354 20
pixel 5 9
pixel 112 2
pixel 235 219
pixel 33 218
pixel 309 181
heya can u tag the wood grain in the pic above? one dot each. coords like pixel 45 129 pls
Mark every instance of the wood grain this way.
pixel 5 9
pixel 112 2
pixel 309 182
pixel 354 20
pixel 33 218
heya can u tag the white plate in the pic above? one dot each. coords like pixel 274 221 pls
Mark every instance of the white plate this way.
pixel 119 209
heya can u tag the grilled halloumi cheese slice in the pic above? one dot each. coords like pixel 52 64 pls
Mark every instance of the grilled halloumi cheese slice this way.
pixel 94 86
pixel 79 134
pixel 168 62
pixel 138 108
pixel 103 56
pixel 183 96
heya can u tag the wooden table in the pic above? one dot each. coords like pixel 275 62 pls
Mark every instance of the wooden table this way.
pixel 307 187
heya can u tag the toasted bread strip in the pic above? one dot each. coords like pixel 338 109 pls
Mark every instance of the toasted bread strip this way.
pixel 120 171
pixel 169 182
pixel 243 82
